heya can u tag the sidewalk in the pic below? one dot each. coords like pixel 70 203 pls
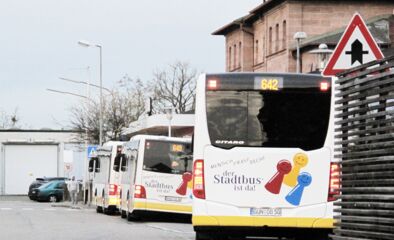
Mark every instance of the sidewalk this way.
pixel 11 198
pixel 67 204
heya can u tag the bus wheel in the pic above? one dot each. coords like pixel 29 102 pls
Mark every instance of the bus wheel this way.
pixel 210 236
pixel 132 216
pixel 105 210
pixel 98 208
pixel 317 235
pixel 123 214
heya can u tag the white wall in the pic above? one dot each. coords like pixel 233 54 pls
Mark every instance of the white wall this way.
pixel 62 139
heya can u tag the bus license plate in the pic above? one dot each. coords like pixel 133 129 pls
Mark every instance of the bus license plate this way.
pixel 172 199
pixel 266 212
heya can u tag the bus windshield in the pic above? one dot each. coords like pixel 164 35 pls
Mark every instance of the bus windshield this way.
pixel 289 118
pixel 167 157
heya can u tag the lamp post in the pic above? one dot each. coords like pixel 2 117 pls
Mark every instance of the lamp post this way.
pixel 323 54
pixel 298 36
pixel 169 117
pixel 86 122
pixel 87 44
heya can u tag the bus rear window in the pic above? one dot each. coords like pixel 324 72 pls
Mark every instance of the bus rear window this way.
pixel 289 118
pixel 167 157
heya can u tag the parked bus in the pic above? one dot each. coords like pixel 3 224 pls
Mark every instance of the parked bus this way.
pixel 106 176
pixel 263 156
pixel 156 176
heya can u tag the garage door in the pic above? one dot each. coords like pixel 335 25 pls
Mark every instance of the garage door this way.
pixel 24 163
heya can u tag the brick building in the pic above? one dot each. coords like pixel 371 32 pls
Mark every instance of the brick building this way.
pixel 262 41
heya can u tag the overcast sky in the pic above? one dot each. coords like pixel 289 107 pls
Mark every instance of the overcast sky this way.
pixel 38 44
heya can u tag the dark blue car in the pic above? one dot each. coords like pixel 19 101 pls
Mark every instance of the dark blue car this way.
pixel 52 191
pixel 41 181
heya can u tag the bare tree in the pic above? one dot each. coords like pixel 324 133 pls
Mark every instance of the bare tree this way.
pixel 123 105
pixel 174 87
pixel 9 120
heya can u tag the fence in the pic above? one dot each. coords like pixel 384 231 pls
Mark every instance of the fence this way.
pixel 364 144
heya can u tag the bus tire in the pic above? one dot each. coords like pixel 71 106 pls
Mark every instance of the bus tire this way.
pixel 123 214
pixel 210 236
pixel 132 217
pixel 317 235
pixel 99 209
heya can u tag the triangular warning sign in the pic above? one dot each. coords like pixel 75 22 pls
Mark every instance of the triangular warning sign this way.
pixel 356 47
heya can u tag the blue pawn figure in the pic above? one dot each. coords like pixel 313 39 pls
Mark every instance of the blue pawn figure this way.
pixel 294 196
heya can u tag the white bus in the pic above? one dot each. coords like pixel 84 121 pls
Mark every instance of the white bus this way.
pixel 106 176
pixel 156 176
pixel 263 152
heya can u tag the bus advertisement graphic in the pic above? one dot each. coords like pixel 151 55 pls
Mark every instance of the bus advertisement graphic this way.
pixel 291 176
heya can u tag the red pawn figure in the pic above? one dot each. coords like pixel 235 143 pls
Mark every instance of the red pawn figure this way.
pixel 186 177
pixel 275 183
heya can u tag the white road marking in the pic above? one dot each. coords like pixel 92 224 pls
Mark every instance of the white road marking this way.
pixel 49 209
pixel 27 209
pixel 5 209
pixel 168 229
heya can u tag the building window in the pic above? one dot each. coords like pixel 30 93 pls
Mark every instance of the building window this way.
pixel 235 56
pixel 270 41
pixel 277 37
pixel 284 37
pixel 239 54
pixel 256 52
pixel 262 52
pixel 229 58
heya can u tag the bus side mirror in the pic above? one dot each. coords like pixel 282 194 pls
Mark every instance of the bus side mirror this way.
pixel 116 168
pixel 117 161
pixel 192 144
pixel 124 163
pixel 91 163
pixel 97 169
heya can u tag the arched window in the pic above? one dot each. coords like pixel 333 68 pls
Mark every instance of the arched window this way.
pixel 229 58
pixel 270 41
pixel 277 37
pixel 256 52
pixel 239 54
pixel 284 37
pixel 235 56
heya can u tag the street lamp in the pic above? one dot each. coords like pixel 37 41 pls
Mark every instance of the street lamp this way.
pixel 87 44
pixel 323 54
pixel 85 83
pixel 169 117
pixel 298 36
pixel 85 119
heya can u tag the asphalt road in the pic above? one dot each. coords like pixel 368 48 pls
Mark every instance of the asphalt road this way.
pixel 21 218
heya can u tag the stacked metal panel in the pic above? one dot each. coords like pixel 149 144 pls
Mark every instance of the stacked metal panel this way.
pixel 364 142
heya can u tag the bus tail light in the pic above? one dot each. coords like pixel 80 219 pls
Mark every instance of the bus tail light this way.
pixel 324 86
pixel 198 179
pixel 212 84
pixel 334 184
pixel 139 191
pixel 113 189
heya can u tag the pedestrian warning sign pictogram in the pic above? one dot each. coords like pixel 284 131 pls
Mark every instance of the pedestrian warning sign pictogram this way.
pixel 356 47
pixel 92 151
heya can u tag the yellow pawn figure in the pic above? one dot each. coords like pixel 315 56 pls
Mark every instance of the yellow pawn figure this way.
pixel 190 184
pixel 300 160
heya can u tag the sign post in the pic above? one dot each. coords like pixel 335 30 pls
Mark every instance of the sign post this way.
pixel 91 152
